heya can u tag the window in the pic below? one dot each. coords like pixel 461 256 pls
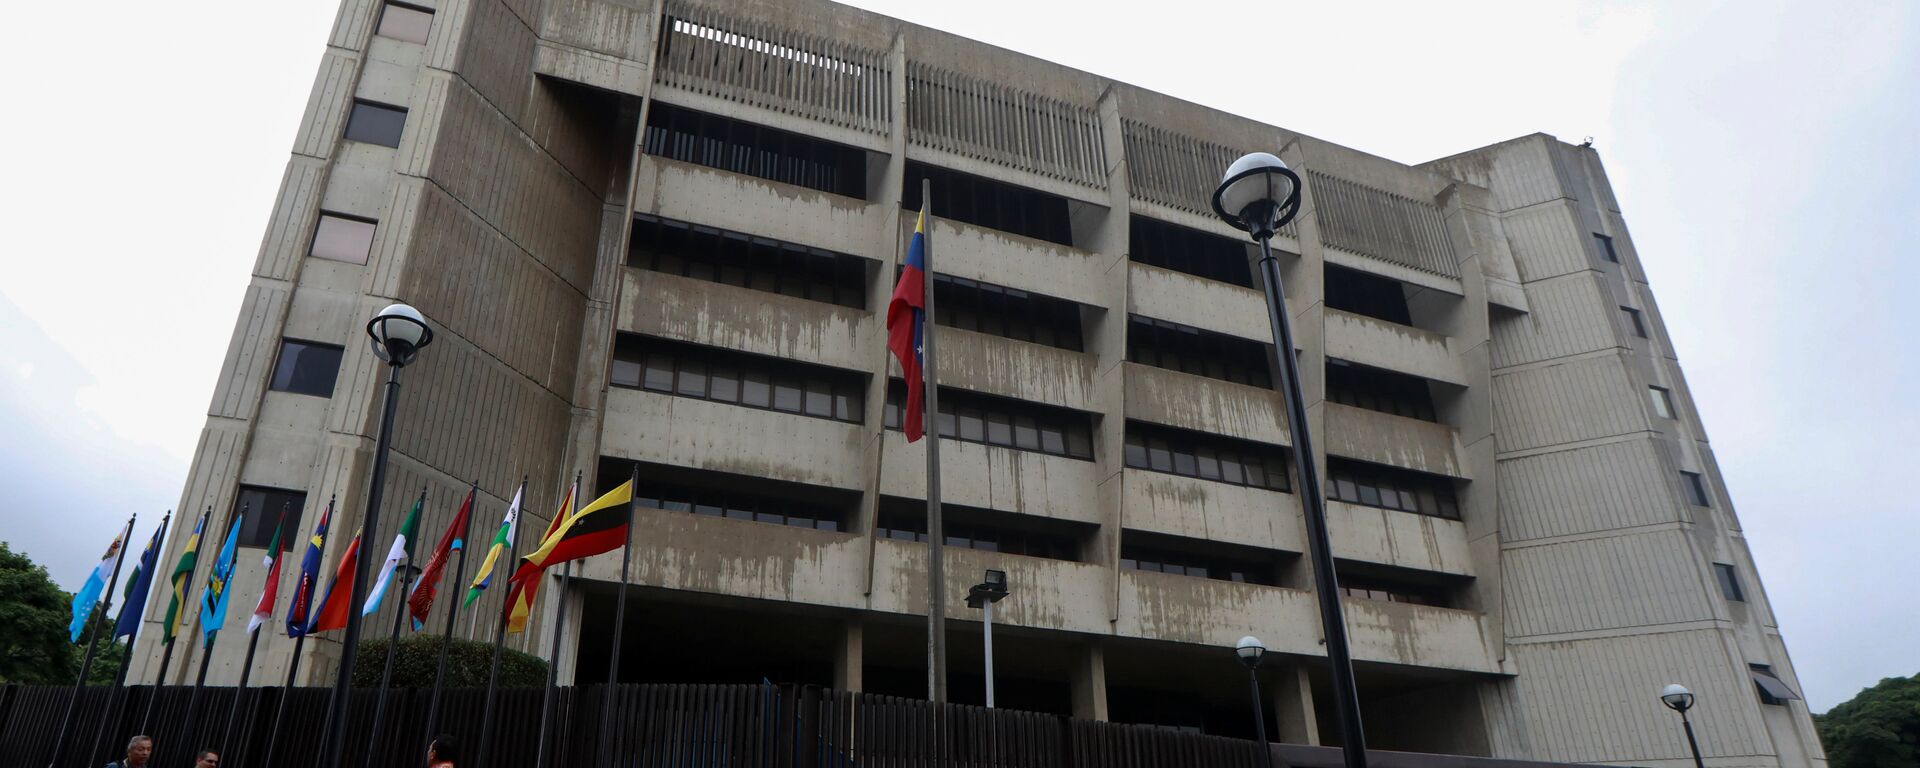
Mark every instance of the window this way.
pixel 1392 591
pixel 1373 485
pixel 754 381
pixel 306 368
pixel 975 418
pixel 1729 582
pixel 1187 349
pixel 343 238
pixel 1350 290
pixel 1188 250
pixel 987 530
pixel 754 150
pixel 405 22
pixel 1379 390
pixel 1771 688
pixel 1007 312
pixel 720 256
pixel 1207 457
pixel 265 507
pixel 1635 322
pixel 1662 401
pixel 376 123
pixel 1190 557
pixel 777 509
pixel 1696 488
pixel 991 204
pixel 1606 248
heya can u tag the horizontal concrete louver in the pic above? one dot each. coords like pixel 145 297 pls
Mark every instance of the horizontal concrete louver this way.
pixel 757 63
pixel 1372 222
pixel 1176 170
pixel 1006 126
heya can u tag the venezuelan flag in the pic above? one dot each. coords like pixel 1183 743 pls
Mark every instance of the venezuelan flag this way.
pixel 906 328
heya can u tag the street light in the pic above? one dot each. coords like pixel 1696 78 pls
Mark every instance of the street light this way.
pixel 1259 194
pixel 397 333
pixel 1679 699
pixel 1250 650
pixel 991 589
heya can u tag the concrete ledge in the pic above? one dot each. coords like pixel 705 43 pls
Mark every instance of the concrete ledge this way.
pixel 1399 539
pixel 731 317
pixel 1418 635
pixel 1396 441
pixel 991 477
pixel 1054 594
pixel 1157 502
pixel 684 432
pixel 1021 370
pixel 741 203
pixel 741 558
pixel 1393 347
pixel 1206 304
pixel 1207 405
pixel 989 255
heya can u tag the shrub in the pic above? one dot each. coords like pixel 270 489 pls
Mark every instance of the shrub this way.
pixel 467 664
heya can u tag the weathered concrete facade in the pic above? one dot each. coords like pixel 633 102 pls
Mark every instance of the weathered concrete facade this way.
pixel 1576 578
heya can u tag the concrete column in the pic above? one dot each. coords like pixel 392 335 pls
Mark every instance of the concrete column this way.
pixel 1089 680
pixel 848 663
pixel 1292 694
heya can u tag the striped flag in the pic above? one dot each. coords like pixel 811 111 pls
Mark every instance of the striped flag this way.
pixel 521 592
pixel 301 607
pixel 420 603
pixel 183 573
pixel 263 610
pixel 501 540
pixel 598 527
pixel 402 549
pixel 907 326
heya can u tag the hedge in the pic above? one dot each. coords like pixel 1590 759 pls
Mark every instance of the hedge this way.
pixel 467 664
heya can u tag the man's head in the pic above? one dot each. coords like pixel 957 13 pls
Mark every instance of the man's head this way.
pixel 139 748
pixel 444 749
pixel 206 759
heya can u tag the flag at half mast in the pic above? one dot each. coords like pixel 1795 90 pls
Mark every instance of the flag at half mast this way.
pixel 907 327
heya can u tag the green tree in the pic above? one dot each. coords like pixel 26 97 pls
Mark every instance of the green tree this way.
pixel 467 664
pixel 33 623
pixel 1877 728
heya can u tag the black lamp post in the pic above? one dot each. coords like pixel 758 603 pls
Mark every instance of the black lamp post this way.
pixel 1250 651
pixel 1679 699
pixel 1259 194
pixel 398 333
pixel 991 589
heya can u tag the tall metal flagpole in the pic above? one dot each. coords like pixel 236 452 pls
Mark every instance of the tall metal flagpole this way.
pixel 619 627
pixel 246 667
pixel 166 655
pixel 293 664
pixel 453 611
pixel 207 638
pixel 936 532
pixel 499 640
pixel 559 623
pixel 126 657
pixel 93 627
pixel 393 642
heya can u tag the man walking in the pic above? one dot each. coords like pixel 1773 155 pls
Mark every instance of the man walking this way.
pixel 139 748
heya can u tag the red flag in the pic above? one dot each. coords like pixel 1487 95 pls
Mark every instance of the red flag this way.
pixel 906 328
pixel 339 603
pixel 420 603
pixel 520 593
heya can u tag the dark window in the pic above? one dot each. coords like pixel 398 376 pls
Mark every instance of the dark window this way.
pixel 1729 582
pixel 1177 347
pixel 306 368
pixel 405 22
pixel 1350 290
pixel 707 373
pixel 376 123
pixel 1188 250
pixel 1771 688
pixel 1696 488
pixel 976 418
pixel 1634 321
pixel 1192 557
pixel 720 256
pixel 1662 401
pixel 1379 390
pixel 1373 485
pixel 991 204
pixel 343 238
pixel 1008 312
pixel 746 148
pixel 992 531
pixel 1606 248
pixel 739 505
pixel 1208 457
pixel 1393 591
pixel 264 507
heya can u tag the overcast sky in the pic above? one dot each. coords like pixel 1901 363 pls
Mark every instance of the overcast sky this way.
pixel 1764 153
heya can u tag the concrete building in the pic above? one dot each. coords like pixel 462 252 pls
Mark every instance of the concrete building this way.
pixel 658 236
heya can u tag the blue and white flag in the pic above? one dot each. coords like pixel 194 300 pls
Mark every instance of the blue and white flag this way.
pixel 89 594
pixel 213 602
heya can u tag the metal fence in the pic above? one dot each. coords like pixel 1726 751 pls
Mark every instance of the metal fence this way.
pixel 654 726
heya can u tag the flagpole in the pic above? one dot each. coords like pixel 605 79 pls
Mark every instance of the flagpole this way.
pixel 166 659
pixel 126 657
pixel 208 636
pixel 253 643
pixel 559 623
pixel 936 532
pixel 453 611
pixel 619 627
pixel 166 655
pixel 393 641
pixel 499 640
pixel 293 664
pixel 93 642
